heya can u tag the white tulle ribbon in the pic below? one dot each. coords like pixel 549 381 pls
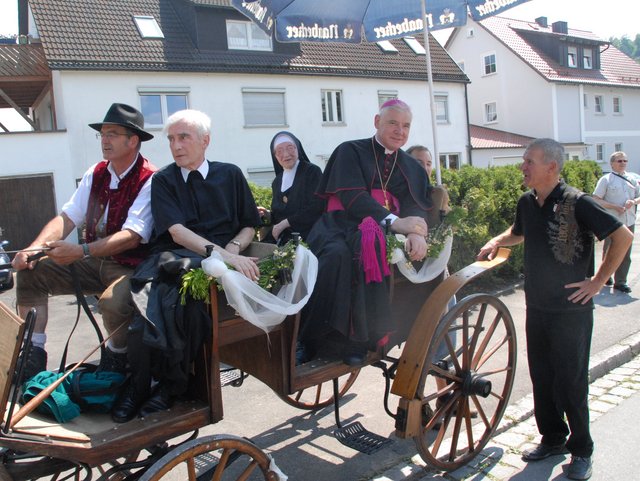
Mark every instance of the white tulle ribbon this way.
pixel 258 306
pixel 431 267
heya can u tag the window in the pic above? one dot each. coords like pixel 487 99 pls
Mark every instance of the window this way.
pixel 450 161
pixel 415 45
pixel 387 47
pixel 461 65
pixel 158 103
pixel 490 113
pixel 148 27
pixel 618 147
pixel 442 108
pixel 600 152
pixel 385 95
pixel 331 106
pixel 572 57
pixel 587 58
pixel 261 176
pixel 263 107
pixel 599 105
pixel 490 64
pixel 584 101
pixel 247 36
pixel 617 105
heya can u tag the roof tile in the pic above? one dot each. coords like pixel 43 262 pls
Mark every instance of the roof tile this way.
pixel 617 69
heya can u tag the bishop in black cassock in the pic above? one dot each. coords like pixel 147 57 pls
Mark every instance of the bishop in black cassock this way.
pixel 366 181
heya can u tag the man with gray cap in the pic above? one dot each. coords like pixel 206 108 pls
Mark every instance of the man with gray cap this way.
pixel 112 205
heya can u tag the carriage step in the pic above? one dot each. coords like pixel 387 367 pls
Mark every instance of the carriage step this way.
pixel 357 437
pixel 230 375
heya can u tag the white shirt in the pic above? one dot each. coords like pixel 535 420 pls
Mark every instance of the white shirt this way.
pixel 139 218
pixel 616 190
pixel 203 169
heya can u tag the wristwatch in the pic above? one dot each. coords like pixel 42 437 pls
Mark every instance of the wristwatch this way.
pixel 235 243
pixel 85 249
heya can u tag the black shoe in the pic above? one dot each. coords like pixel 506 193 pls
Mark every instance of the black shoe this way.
pixel 609 282
pixel 128 403
pixel 622 288
pixel 304 352
pixel 355 354
pixel 542 451
pixel 580 468
pixel 160 400
pixel 36 361
pixel 113 362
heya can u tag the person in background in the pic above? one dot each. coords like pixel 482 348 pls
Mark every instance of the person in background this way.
pixel 196 203
pixel 619 193
pixel 557 224
pixel 112 203
pixel 294 205
pixel 422 155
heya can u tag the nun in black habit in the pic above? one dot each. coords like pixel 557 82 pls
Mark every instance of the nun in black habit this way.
pixel 366 181
pixel 294 205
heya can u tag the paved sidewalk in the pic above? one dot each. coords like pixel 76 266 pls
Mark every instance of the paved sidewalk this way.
pixel 501 459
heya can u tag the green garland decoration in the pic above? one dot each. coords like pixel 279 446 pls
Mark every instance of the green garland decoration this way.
pixel 196 283
pixel 435 239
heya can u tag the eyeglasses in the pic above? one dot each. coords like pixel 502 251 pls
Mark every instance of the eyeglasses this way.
pixel 109 135
pixel 621 161
pixel 288 148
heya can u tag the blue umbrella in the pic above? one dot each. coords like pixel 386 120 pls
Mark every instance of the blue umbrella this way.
pixel 374 20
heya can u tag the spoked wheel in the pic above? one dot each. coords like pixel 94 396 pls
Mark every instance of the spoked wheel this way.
pixel 466 381
pixel 213 458
pixel 320 395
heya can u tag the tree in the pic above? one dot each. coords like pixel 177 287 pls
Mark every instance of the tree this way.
pixel 628 46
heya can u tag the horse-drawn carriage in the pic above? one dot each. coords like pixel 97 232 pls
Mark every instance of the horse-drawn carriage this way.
pixel 453 379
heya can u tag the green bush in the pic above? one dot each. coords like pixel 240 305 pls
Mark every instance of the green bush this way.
pixel 262 195
pixel 488 198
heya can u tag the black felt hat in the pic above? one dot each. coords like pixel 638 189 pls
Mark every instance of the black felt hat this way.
pixel 125 116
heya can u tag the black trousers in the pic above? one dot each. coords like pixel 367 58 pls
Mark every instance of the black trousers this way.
pixel 558 346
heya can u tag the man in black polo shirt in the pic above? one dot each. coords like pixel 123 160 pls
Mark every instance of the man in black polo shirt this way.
pixel 557 224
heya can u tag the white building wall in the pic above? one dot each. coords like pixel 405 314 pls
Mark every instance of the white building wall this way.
pixel 82 98
pixel 568 113
pixel 523 98
pixel 496 157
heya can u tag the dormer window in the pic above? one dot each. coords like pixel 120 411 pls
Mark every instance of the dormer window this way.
pixel 572 57
pixel 587 58
pixel 247 36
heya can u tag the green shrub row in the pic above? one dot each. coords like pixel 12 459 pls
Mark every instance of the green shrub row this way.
pixel 488 198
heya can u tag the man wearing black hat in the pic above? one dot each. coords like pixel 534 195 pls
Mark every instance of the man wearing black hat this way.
pixel 112 204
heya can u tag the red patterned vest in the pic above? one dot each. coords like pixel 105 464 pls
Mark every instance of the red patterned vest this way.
pixel 119 201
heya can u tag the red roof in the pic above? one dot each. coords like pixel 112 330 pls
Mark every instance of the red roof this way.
pixel 484 138
pixel 616 68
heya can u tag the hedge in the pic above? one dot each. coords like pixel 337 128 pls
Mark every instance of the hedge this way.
pixel 487 198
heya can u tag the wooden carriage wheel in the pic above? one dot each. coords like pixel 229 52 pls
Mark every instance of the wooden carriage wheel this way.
pixel 234 458
pixel 466 382
pixel 320 395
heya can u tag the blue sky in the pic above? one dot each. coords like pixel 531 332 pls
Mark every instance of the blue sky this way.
pixel 605 18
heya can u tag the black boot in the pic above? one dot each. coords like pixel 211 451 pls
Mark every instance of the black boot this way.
pixel 160 400
pixel 129 401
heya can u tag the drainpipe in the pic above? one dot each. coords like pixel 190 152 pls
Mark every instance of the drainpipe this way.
pixel 466 108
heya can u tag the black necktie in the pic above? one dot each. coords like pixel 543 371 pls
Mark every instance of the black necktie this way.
pixel 194 181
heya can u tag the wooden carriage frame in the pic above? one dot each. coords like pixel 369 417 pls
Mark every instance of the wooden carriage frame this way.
pixel 473 378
